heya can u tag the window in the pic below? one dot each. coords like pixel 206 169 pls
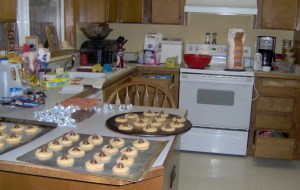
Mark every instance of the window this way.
pixel 34 15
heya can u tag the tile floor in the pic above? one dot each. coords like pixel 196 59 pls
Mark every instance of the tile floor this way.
pixel 213 172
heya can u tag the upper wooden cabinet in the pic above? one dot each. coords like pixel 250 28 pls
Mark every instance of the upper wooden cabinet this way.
pixel 8 10
pixel 91 11
pixel 125 11
pixel 167 11
pixel 278 14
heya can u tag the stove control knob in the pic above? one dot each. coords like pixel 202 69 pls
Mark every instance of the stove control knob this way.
pixel 197 48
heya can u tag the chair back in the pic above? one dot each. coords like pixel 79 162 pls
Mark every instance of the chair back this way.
pixel 142 93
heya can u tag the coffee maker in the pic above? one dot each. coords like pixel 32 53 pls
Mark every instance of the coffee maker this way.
pixel 266 46
pixel 99 51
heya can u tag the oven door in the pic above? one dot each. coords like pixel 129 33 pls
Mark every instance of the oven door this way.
pixel 217 101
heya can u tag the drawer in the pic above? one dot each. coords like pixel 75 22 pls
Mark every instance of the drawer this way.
pixel 269 147
pixel 277 87
pixel 275 122
pixel 273 104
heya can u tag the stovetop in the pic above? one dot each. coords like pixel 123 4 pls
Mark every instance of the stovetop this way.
pixel 217 66
pixel 217 70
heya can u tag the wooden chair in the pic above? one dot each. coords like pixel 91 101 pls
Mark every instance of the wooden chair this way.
pixel 141 93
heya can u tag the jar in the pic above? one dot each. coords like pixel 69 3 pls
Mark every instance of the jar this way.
pixel 286 47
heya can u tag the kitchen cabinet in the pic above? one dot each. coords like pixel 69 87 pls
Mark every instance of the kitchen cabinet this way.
pixel 278 14
pixel 91 11
pixel 167 11
pixel 274 130
pixel 8 11
pixel 125 11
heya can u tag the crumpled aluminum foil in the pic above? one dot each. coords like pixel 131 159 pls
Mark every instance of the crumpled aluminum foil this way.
pixel 62 115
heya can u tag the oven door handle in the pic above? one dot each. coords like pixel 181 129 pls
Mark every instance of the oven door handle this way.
pixel 217 79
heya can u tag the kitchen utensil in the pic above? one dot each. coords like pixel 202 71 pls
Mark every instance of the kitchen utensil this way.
pixel 197 61
pixel 96 32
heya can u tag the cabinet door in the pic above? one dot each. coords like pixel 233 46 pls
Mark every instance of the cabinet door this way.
pixel 95 11
pixel 91 11
pixel 8 10
pixel 277 14
pixel 112 10
pixel 126 11
pixel 132 11
pixel 167 11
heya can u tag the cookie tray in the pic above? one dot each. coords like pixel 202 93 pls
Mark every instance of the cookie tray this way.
pixel 142 162
pixel 44 127
pixel 113 125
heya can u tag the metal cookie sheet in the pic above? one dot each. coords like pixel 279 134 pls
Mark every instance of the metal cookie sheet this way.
pixel 44 127
pixel 142 162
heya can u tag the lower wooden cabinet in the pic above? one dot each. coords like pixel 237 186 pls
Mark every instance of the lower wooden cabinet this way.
pixel 268 147
pixel 274 130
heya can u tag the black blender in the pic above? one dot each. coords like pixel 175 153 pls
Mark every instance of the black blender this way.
pixel 266 46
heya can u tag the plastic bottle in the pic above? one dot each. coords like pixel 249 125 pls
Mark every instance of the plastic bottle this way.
pixel 10 82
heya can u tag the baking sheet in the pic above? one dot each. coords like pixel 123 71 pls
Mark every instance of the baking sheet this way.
pixel 142 162
pixel 113 125
pixel 44 127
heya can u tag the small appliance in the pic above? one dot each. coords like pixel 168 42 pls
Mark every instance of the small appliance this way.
pixel 99 51
pixel 266 46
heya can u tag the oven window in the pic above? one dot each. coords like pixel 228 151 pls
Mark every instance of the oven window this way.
pixel 215 97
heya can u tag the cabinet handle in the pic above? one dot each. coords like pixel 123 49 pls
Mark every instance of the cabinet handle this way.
pixel 173 175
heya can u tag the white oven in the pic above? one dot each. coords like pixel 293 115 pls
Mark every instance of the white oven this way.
pixel 219 107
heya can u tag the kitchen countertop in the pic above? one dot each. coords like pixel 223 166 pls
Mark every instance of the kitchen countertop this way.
pixel 95 124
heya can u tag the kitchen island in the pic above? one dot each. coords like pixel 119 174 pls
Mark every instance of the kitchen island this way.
pixel 15 174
